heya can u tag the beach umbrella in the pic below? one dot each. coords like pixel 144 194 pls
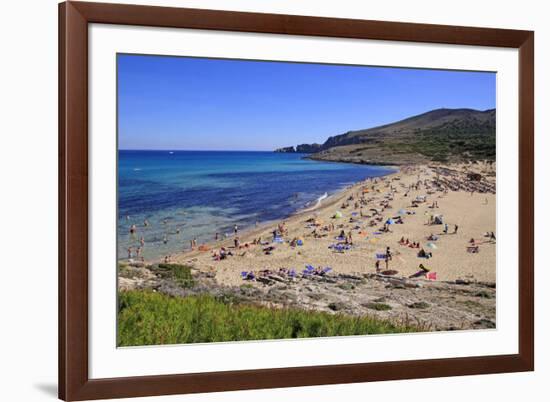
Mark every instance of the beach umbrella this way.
pixel 390 222
pixel 338 214
pixel 431 245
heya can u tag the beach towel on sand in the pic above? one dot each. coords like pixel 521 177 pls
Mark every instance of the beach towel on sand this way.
pixel 432 276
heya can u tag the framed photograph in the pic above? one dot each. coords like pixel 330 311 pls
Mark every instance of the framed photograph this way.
pixel 260 200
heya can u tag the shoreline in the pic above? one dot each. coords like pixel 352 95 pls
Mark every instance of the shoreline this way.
pixel 159 228
pixel 392 164
pixel 255 230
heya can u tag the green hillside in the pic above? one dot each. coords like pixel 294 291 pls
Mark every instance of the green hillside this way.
pixel 445 135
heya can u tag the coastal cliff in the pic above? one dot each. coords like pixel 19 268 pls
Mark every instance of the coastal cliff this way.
pixel 308 148
pixel 285 150
pixel 441 135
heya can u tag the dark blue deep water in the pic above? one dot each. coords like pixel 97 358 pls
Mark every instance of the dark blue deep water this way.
pixel 187 194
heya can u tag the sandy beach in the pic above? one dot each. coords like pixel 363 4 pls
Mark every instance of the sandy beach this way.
pixel 362 211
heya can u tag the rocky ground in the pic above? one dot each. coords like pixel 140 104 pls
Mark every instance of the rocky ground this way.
pixel 430 305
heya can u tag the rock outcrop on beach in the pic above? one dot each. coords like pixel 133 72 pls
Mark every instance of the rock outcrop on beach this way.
pixel 429 305
pixel 441 135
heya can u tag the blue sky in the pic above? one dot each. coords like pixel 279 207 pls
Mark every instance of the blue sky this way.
pixel 212 104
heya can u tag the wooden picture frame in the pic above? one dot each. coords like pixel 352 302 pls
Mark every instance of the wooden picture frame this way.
pixel 74 381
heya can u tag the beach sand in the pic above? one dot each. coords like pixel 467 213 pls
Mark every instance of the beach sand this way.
pixel 474 213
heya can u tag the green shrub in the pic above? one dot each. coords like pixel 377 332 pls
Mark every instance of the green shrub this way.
pixel 419 305
pixel 378 306
pixel 180 274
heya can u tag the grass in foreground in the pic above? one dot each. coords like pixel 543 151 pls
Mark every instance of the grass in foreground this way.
pixel 147 318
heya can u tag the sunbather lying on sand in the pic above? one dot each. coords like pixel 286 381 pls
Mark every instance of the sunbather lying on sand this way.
pixel 422 272
pixel 472 249
pixel 222 254
pixel 423 254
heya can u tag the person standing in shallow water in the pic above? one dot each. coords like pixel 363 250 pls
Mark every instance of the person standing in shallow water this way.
pixel 133 231
pixel 236 230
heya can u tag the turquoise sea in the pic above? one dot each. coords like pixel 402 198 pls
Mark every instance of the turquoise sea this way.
pixel 194 194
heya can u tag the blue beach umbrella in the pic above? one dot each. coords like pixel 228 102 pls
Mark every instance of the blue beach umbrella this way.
pixel 390 222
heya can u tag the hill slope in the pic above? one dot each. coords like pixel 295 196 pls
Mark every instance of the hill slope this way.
pixel 438 135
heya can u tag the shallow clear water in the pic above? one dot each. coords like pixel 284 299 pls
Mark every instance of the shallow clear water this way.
pixel 194 194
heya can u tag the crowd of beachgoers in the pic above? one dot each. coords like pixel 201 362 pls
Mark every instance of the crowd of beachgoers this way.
pixel 432 222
